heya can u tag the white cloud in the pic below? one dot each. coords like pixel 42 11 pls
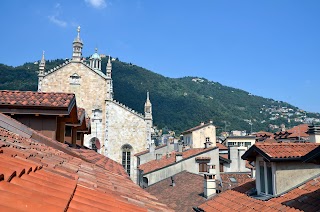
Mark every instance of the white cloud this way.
pixel 98 4
pixel 57 21
pixel 55 18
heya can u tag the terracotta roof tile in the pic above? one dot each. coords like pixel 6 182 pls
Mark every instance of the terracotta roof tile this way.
pixel 240 178
pixel 166 161
pixel 226 156
pixel 286 150
pixel 303 198
pixel 186 193
pixel 48 178
pixel 35 99
pixel 222 147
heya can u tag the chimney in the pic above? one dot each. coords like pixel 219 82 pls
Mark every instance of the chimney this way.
pixel 158 156
pixel 207 144
pixel 172 181
pixel 314 133
pixel 175 145
pixel 242 163
pixel 168 155
pixel 178 156
pixel 180 147
pixel 210 182
pixel 201 123
pixel 234 157
pixel 151 147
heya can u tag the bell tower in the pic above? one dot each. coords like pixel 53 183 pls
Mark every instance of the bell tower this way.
pixel 109 80
pixel 148 119
pixel 42 66
pixel 77 47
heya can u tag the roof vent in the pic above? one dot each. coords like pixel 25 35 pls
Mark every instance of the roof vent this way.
pixel 172 182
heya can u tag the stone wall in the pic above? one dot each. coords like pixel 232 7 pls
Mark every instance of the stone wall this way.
pixel 124 126
pixel 90 89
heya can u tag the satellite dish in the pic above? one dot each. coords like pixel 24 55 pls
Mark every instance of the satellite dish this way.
pixel 97 143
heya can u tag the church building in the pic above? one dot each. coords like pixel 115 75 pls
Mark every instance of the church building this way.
pixel 117 131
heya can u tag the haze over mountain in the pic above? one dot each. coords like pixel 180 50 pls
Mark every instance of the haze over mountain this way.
pixel 179 103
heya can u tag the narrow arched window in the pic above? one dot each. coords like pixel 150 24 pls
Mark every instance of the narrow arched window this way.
pixel 94 142
pixel 126 157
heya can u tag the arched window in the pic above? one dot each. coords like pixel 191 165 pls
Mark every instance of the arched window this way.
pixel 144 182
pixel 93 142
pixel 126 155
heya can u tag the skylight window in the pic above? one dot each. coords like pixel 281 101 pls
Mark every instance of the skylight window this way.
pixel 233 180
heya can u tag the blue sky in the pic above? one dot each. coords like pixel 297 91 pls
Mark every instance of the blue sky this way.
pixel 270 48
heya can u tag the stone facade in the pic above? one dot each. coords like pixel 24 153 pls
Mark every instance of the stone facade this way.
pixel 118 128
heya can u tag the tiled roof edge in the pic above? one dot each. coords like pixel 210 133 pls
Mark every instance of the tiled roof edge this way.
pixel 171 164
pixel 70 61
pixel 196 128
pixel 14 126
pixel 57 68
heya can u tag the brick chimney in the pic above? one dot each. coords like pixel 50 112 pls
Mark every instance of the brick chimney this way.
pixel 210 182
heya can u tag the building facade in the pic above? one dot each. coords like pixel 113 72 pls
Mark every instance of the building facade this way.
pixel 120 131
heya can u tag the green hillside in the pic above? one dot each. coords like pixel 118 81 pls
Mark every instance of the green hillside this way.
pixel 179 103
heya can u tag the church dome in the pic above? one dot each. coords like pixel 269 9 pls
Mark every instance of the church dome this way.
pixel 95 56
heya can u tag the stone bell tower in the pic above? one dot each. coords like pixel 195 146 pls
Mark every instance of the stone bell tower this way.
pixel 42 66
pixel 148 118
pixel 77 47
pixel 109 80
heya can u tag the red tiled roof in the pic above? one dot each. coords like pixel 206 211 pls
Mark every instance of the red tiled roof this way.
pixel 303 198
pixel 270 140
pixel 164 161
pixel 263 133
pixel 286 150
pixel 35 99
pixel 231 200
pixel 249 166
pixel 226 156
pixel 81 113
pixel 302 128
pixel 221 146
pixel 35 176
pixel 239 177
pixel 184 195
pixel 279 150
pixel 299 131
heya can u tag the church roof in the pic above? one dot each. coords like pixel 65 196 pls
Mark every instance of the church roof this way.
pixel 100 73
pixel 95 56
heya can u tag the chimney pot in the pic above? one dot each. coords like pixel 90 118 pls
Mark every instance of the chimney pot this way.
pixel 178 156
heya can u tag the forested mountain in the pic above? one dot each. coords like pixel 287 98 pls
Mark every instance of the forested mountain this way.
pixel 181 103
